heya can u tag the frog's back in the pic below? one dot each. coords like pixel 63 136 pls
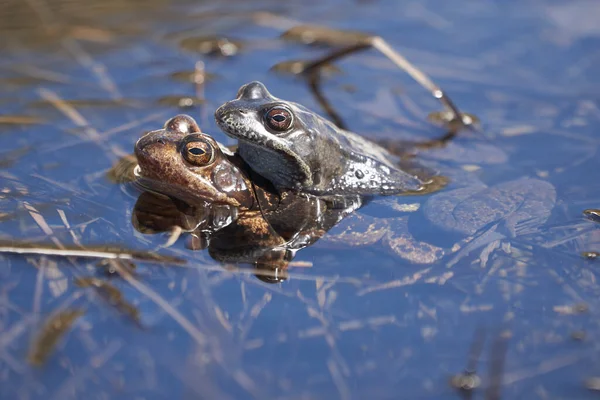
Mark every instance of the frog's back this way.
pixel 296 148
pixel 347 163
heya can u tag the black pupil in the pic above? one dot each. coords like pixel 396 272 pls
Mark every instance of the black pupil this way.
pixel 196 151
pixel 279 118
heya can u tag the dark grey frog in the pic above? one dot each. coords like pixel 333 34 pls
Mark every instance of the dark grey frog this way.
pixel 297 149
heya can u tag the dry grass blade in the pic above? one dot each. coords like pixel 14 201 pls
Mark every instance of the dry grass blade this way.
pixel 41 222
pixel 20 120
pixel 198 336
pixel 98 69
pixel 70 112
pixel 104 253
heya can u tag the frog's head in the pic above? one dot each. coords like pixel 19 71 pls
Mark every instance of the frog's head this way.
pixel 277 138
pixel 298 149
pixel 181 161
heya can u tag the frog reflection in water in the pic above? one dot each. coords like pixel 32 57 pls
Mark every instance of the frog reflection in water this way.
pixel 270 226
pixel 297 149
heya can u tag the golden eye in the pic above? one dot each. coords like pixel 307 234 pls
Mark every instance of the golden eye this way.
pixel 199 152
pixel 279 119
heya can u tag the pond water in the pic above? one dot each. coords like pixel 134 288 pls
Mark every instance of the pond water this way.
pixel 510 297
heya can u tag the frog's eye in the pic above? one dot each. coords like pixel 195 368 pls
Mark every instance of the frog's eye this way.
pixel 199 153
pixel 279 119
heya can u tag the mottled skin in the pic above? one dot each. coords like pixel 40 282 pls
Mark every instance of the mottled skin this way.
pixel 311 155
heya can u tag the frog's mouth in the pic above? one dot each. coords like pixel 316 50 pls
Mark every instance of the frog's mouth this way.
pixel 233 126
pixel 291 171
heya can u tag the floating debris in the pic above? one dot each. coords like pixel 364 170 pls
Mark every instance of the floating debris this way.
pixel 592 383
pixel 212 45
pixel 180 101
pixel 101 252
pixel 22 81
pixel 54 329
pixel 112 295
pixel 578 308
pixel 590 255
pixel 297 67
pixel 193 76
pixel 314 34
pixel 20 120
pixel 578 335
pixel 592 214
pixel 466 381
pixel 7 159
pixel 447 120
pixel 91 103
pixel 11 188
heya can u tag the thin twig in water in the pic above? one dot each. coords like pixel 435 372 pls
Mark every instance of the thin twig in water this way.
pixel 185 323
pixel 70 112
pixel 89 253
pixel 65 221
pixel 99 70
pixel 78 119
pixel 41 222
pixel 113 131
pixel 314 81
pixel 401 62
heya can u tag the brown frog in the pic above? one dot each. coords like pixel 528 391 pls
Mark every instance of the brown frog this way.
pixel 181 161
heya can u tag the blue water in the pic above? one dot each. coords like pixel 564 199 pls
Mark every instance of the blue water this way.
pixel 527 69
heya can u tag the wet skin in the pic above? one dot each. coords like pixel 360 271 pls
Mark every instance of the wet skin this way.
pixel 297 149
pixel 182 163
